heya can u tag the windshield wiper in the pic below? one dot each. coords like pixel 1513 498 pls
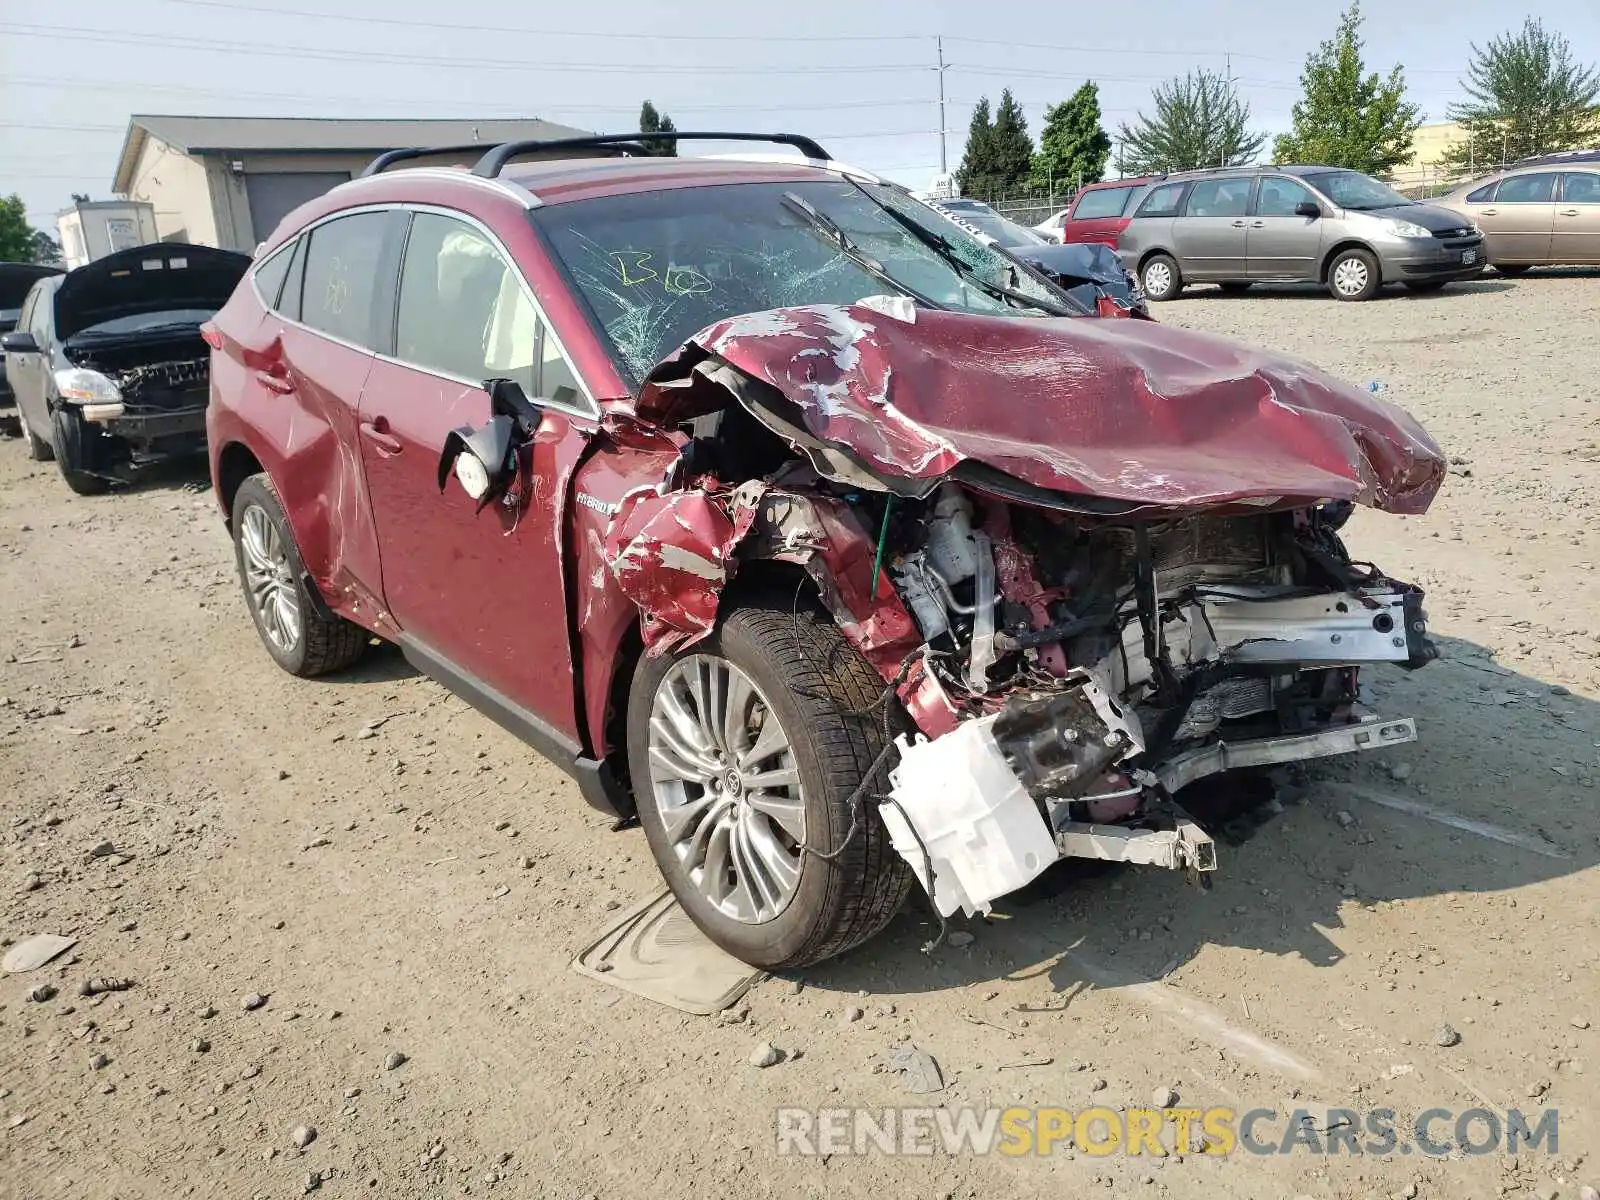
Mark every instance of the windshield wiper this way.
pixel 941 245
pixel 833 233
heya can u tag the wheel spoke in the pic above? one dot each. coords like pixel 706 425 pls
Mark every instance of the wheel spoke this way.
pixel 762 892
pixel 677 821
pixel 684 724
pixel 783 777
pixel 789 813
pixel 777 868
pixel 672 759
pixel 771 741
pixel 738 695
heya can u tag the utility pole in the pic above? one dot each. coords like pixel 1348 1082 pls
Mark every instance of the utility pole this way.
pixel 944 164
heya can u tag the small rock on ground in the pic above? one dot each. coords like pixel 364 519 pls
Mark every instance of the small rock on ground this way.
pixel 303 1135
pixel 1446 1035
pixel 765 1054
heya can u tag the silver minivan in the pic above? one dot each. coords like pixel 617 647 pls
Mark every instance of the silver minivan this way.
pixel 1269 224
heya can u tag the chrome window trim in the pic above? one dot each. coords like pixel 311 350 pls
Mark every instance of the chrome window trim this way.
pixel 589 412
pixel 505 188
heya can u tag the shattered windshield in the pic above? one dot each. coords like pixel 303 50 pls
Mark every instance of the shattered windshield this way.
pixel 657 267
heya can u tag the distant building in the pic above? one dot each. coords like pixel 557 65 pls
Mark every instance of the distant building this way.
pixel 92 229
pixel 228 181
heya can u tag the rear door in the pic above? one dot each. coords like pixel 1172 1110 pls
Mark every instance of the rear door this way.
pixel 1283 245
pixel 1575 236
pixel 481 594
pixel 307 364
pixel 1098 214
pixel 1519 221
pixel 1212 235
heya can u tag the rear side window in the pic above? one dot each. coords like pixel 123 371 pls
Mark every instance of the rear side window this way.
pixel 1219 198
pixel 343 267
pixel 1527 189
pixel 1163 201
pixel 1484 194
pixel 1102 202
pixel 1580 187
pixel 269 276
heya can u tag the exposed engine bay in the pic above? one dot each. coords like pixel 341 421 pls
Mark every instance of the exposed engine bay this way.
pixel 1094 560
pixel 153 407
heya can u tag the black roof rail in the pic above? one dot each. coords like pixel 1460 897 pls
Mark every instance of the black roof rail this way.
pixel 492 163
pixel 389 157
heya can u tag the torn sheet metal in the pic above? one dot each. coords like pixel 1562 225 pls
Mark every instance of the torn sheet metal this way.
pixel 1130 411
pixel 670 555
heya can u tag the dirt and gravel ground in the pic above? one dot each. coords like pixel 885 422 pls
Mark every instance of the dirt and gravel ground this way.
pixel 396 876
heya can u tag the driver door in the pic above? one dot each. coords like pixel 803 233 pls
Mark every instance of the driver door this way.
pixel 479 596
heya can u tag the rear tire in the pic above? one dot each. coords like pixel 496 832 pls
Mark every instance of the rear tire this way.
pixel 1235 287
pixel 301 640
pixel 817 689
pixel 1513 269
pixel 1354 275
pixel 1160 278
pixel 78 448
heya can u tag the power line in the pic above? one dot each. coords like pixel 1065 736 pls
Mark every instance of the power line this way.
pixel 78 85
pixel 608 35
pixel 279 50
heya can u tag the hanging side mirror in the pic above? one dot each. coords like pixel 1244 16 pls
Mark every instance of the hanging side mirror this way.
pixel 1308 208
pixel 484 460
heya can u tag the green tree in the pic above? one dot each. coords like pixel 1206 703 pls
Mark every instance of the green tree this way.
pixel 16 238
pixel 1010 146
pixel 1347 117
pixel 1199 122
pixel 1073 148
pixel 651 121
pixel 976 171
pixel 1528 97
pixel 46 250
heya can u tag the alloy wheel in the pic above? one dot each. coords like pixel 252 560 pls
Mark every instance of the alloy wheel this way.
pixel 727 786
pixel 269 579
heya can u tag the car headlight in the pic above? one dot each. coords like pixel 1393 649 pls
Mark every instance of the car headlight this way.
pixel 83 386
pixel 1405 229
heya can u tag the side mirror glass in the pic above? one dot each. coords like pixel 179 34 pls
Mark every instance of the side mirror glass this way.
pixel 20 342
pixel 1308 208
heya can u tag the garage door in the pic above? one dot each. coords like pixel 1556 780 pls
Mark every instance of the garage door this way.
pixel 273 196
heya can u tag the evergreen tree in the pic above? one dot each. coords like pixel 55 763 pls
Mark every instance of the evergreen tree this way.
pixel 1528 97
pixel 1199 122
pixel 1348 118
pixel 651 121
pixel 1010 147
pixel 1073 148
pixel 976 171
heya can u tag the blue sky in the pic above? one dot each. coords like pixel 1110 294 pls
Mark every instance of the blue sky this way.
pixel 857 74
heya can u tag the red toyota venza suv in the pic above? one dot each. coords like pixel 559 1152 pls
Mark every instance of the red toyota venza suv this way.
pixel 829 540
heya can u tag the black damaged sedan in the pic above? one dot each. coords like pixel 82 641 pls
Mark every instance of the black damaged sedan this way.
pixel 107 362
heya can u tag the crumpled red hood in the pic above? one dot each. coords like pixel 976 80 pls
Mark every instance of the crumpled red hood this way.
pixel 1132 411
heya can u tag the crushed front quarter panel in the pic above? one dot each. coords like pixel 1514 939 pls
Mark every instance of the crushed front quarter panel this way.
pixel 1134 412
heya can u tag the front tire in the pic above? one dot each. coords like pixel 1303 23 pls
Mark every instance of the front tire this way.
pixel 746 747
pixel 78 448
pixel 1161 278
pixel 301 640
pixel 1354 275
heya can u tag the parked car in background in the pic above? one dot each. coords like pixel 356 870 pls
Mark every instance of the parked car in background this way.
pixel 979 218
pixel 1089 272
pixel 15 280
pixel 1050 227
pixel 731 485
pixel 1101 211
pixel 1293 224
pixel 107 361
pixel 1542 212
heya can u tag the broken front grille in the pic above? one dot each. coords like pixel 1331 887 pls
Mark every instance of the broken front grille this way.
pixel 165 387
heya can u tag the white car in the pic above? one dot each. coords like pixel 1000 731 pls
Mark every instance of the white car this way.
pixel 1050 227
